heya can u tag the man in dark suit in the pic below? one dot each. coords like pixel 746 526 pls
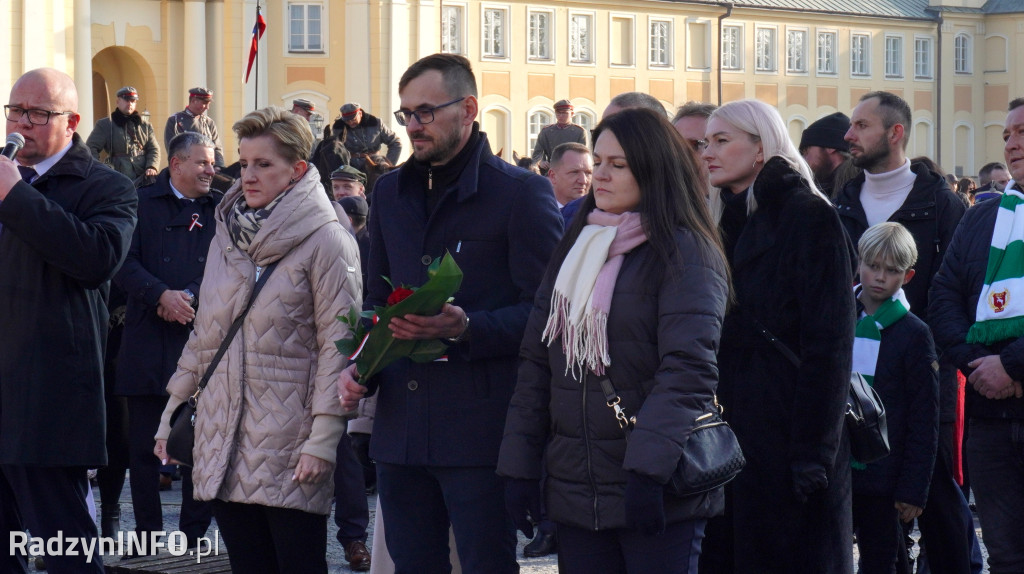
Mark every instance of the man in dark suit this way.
pixel 438 425
pixel 162 276
pixel 65 226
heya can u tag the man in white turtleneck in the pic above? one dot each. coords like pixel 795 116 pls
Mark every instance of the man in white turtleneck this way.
pixel 894 189
pixel 878 142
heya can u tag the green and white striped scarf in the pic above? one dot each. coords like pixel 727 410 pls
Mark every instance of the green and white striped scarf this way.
pixel 868 340
pixel 1000 313
pixel 869 333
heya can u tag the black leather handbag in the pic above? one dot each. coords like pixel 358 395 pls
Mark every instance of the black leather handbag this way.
pixel 711 455
pixel 182 437
pixel 865 413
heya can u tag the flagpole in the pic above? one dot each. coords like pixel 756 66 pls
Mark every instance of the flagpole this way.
pixel 256 94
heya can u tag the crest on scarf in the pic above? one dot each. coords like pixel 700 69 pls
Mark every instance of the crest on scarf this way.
pixel 998 300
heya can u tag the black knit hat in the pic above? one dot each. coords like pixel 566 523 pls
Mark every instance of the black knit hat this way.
pixel 827 132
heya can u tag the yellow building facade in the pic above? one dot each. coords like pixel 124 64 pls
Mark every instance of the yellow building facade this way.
pixel 952 60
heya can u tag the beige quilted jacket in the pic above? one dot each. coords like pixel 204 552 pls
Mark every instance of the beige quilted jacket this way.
pixel 279 374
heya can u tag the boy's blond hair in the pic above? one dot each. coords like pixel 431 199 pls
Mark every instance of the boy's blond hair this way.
pixel 889 242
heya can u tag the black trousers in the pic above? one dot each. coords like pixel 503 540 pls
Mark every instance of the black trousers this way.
pixel 351 512
pixel 879 535
pixel 272 540
pixel 625 551
pixel 143 419
pixel 942 523
pixel 110 478
pixel 49 502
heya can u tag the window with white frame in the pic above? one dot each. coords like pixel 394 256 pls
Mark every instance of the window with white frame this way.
pixel 894 56
pixel 584 119
pixel 305 32
pixel 539 35
pixel 732 47
pixel 962 54
pixel 537 121
pixel 451 29
pixel 494 30
pixel 860 55
pixel 923 58
pixel 764 50
pixel 581 38
pixel 826 52
pixel 796 51
pixel 660 48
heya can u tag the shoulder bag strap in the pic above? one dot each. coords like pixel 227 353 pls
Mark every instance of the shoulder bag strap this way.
pixel 231 332
pixel 779 345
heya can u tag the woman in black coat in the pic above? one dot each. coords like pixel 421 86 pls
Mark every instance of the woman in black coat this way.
pixel 789 510
pixel 652 327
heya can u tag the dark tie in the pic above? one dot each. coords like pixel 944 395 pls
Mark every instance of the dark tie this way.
pixel 27 173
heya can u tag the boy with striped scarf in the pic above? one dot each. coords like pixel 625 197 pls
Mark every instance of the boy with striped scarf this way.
pixel 894 351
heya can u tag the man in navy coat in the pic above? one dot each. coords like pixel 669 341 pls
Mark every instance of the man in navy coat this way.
pixel 65 225
pixel 438 425
pixel 162 277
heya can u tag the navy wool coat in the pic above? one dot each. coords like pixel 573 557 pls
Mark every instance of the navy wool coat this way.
pixel 63 238
pixel 167 252
pixel 500 223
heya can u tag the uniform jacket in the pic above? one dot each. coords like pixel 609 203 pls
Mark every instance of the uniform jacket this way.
pixel 281 369
pixel 168 252
pixel 954 304
pixel 63 237
pixel 500 223
pixel 907 381
pixel 552 136
pixel 792 272
pixel 662 349
pixel 369 135
pixel 931 213
pixel 184 121
pixel 129 142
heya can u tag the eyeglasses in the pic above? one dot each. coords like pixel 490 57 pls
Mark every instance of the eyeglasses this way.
pixel 699 145
pixel 35 117
pixel 423 116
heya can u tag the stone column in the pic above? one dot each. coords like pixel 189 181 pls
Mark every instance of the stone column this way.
pixel 83 63
pixel 194 49
pixel 357 58
pixel 215 63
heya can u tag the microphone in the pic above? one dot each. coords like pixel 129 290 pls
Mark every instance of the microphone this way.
pixel 14 144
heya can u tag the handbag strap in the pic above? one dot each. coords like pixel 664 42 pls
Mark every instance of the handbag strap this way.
pixel 612 399
pixel 778 344
pixel 260 282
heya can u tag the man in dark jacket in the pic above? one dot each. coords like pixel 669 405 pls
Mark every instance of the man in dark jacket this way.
pixel 126 138
pixel 66 222
pixel 439 425
pixel 366 135
pixel 893 189
pixel 162 276
pixel 994 364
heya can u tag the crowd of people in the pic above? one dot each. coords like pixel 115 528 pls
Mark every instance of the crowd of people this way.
pixel 725 265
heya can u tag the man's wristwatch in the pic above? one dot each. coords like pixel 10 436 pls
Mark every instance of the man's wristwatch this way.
pixel 458 338
pixel 191 296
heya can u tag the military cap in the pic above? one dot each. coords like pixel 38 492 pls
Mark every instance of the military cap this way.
pixel 128 93
pixel 202 93
pixel 355 205
pixel 350 109
pixel 350 173
pixel 563 105
pixel 304 104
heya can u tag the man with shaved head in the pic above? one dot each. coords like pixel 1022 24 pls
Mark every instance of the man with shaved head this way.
pixel 66 224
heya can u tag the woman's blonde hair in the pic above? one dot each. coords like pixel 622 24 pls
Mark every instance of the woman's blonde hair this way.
pixel 763 123
pixel 890 243
pixel 291 134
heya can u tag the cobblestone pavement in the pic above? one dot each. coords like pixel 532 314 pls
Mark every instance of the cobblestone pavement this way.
pixel 335 555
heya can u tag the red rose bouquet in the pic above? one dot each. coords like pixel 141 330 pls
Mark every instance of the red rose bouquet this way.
pixel 376 348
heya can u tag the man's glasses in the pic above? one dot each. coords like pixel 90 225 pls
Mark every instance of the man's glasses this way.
pixel 423 116
pixel 698 145
pixel 35 117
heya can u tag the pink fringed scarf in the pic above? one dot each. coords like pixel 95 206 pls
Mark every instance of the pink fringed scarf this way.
pixel 582 295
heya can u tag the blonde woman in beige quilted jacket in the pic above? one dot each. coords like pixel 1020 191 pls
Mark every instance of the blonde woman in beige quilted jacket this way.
pixel 269 421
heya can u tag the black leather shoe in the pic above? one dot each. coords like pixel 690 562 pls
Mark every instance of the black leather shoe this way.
pixel 357 555
pixel 543 543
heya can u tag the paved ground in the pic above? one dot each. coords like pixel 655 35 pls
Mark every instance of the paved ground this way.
pixel 335 555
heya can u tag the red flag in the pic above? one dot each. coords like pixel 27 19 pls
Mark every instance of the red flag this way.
pixel 257 33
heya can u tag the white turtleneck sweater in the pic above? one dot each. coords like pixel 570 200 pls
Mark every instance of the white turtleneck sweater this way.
pixel 883 193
